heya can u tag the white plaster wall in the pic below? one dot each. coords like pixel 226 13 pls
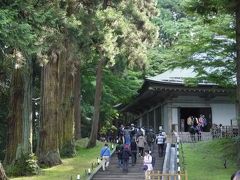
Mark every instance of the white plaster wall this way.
pixel 222 109
pixel 175 115
pixel 223 113
pixel 175 118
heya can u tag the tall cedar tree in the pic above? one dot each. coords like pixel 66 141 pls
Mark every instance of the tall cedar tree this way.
pixel 137 14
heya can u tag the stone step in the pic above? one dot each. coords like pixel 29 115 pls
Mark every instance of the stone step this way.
pixel 134 172
pixel 118 178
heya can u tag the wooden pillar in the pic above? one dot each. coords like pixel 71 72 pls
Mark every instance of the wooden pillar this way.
pixel 140 121
pixel 154 120
pixel 169 116
pixel 148 119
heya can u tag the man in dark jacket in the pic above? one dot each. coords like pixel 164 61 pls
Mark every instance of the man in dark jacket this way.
pixel 119 150
pixel 133 147
pixel 125 158
pixel 150 139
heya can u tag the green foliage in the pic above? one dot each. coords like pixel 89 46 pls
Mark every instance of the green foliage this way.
pixel 25 166
pixel 71 167
pixel 118 87
pixel 191 82
pixel 204 43
pixel 4 99
pixel 237 140
pixel 123 33
pixel 68 150
pixel 107 128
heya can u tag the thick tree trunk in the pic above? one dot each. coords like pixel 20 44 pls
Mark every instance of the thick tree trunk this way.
pixel 238 72
pixel 66 93
pixel 2 173
pixel 48 153
pixel 97 100
pixel 15 125
pixel 68 147
pixel 61 93
pixel 77 101
pixel 27 110
pixel 20 117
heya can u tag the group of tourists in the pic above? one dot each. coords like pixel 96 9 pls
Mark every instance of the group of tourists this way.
pixel 135 143
pixel 217 131
pixel 195 126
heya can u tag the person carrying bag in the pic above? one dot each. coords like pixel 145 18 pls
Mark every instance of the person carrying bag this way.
pixel 105 155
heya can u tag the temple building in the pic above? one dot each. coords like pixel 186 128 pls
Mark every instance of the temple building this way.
pixel 165 100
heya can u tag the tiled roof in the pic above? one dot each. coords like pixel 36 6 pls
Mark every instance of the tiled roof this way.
pixel 177 76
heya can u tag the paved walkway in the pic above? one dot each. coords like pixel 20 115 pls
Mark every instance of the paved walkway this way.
pixel 134 172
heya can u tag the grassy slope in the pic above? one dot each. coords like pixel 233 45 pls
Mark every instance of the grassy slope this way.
pixel 205 160
pixel 70 166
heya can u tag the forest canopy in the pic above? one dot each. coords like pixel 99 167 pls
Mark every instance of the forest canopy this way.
pixel 68 63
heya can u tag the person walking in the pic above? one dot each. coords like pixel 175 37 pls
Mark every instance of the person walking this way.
pixel 133 147
pixel 141 141
pixel 160 140
pixel 121 133
pixel 119 150
pixel 126 153
pixel 127 138
pixel 147 162
pixel 150 139
pixel 105 155
pixel 133 131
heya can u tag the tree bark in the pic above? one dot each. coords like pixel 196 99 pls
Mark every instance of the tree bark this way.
pixel 77 101
pixel 97 100
pixel 15 125
pixel 20 116
pixel 238 73
pixel 2 173
pixel 27 110
pixel 61 93
pixel 66 95
pixel 48 153
pixel 67 107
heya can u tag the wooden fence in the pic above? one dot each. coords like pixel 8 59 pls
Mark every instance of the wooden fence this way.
pixel 165 176
pixel 216 132
pixel 224 131
pixel 188 138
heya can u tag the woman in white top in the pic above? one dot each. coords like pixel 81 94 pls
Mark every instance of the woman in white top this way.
pixel 147 161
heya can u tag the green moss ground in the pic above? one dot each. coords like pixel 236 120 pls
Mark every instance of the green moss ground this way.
pixel 205 160
pixel 71 166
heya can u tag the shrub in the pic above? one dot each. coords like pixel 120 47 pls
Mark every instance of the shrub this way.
pixel 26 165
pixel 68 150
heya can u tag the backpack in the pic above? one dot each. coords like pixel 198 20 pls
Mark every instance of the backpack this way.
pixel 150 137
pixel 160 139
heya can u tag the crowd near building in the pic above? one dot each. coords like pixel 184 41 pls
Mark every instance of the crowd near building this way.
pixel 166 100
